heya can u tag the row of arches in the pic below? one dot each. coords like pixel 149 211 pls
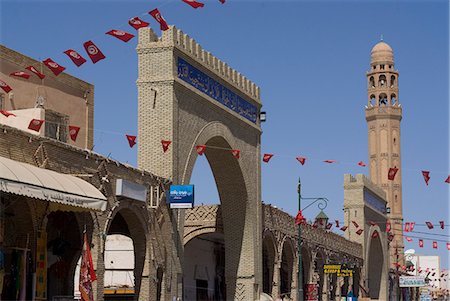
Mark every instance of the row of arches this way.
pixel 382 81
pixel 383 100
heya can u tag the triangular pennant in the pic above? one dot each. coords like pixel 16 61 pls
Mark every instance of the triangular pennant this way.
pixel 429 225
pixel 165 144
pixel 420 243
pixel 411 226
pixel 442 224
pixel 7 114
pixel 200 149
pixel 37 73
pixel 361 163
pixel 426 176
pixel 337 223
pixel 236 153
pixel 359 231
pixel 267 157
pixel 355 224
pixel 131 140
pixel 35 125
pixel 20 74
pixel 194 3
pixel 343 228
pixel 392 172
pixel 329 161
pixel 448 246
pixel 328 226
pixel 73 132
pixel 299 219
pixel 448 180
pixel 406 227
pixel 302 160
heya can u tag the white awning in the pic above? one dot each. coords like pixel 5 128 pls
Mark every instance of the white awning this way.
pixel 31 181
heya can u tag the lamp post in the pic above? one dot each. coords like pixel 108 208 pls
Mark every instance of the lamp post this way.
pixel 323 202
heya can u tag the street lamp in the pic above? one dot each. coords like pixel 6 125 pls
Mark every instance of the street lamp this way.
pixel 323 202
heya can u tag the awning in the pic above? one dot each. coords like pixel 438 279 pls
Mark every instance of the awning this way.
pixel 34 182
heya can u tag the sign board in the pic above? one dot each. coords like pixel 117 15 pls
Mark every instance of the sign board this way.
pixel 181 196
pixel 412 281
pixel 425 294
pixel 311 292
pixel 131 190
pixel 337 269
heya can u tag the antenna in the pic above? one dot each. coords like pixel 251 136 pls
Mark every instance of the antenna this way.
pixel 381 37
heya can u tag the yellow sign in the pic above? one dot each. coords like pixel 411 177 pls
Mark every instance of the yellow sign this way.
pixel 41 266
pixel 337 269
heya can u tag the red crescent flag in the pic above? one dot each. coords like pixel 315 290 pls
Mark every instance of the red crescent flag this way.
pixel 426 176
pixel 194 3
pixel 299 219
pixel 328 226
pixel 73 132
pixel 54 67
pixel 200 149
pixel 388 227
pixel 343 228
pixel 411 226
pixel 337 223
pixel 355 224
pixel 448 246
pixel 20 74
pixel 448 180
pixel 361 163
pixel 267 157
pixel 421 243
pixel 435 245
pixel 375 234
pixel 121 35
pixel 222 1
pixel 302 160
pixel 236 153
pixel 392 172
pixel 34 70
pixel 87 273
pixel 165 144
pixel 157 15
pixel 131 140
pixel 7 114
pixel 94 53
pixel 407 227
pixel 76 58
pixel 429 225
pixel 137 23
pixel 35 124
pixel 315 224
pixel 391 237
pixel 329 161
pixel 442 224
pixel 408 239
pixel 359 231
pixel 5 86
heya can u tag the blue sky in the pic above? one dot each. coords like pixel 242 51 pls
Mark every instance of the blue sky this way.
pixel 310 60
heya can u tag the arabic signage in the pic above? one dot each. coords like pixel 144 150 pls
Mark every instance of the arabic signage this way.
pixel 337 269
pixel 412 281
pixel 181 196
pixel 215 90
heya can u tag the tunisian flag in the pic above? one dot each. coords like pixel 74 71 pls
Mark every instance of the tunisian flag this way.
pixel 34 70
pixel 87 273
pixel 20 74
pixel 94 53
pixel 73 132
pixel 194 3
pixel 5 86
pixel 35 124
pixel 157 15
pixel 121 35
pixel 76 58
pixel 54 67
pixel 392 172
pixel 137 23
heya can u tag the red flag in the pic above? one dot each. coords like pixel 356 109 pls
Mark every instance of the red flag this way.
pixel 328 226
pixel 315 225
pixel 131 140
pixel 301 160
pixel 441 223
pixel 34 70
pixel 355 224
pixel 165 144
pixel 5 86
pixel 200 149
pixel 94 53
pixel 35 124
pixel 76 58
pixel 222 1
pixel 236 153
pixel 421 243
pixel 426 176
pixel 194 3
pixel 375 234
pixel 337 223
pixel 121 35
pixel 435 245
pixel 267 157
pixel 329 161
pixel 391 237
pixel 299 219
pixel 392 172
pixel 408 239
pixel 448 180
pixel 20 74
pixel 157 15
pixel 388 227
pixel 411 226
pixel 448 246
pixel 87 273
pixel 406 227
pixel 429 225
pixel 7 114
pixel 54 67
pixel 361 163
pixel 137 23
pixel 343 228
pixel 359 231
pixel 73 132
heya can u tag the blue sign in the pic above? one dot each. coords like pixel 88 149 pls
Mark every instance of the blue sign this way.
pixel 375 202
pixel 181 196
pixel 215 90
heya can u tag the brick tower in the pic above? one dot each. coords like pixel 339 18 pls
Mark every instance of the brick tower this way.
pixel 383 116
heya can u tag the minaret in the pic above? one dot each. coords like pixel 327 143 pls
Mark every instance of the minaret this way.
pixel 383 115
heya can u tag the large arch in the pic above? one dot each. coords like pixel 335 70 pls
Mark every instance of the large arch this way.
pixel 319 261
pixel 287 260
pixel 375 268
pixel 269 258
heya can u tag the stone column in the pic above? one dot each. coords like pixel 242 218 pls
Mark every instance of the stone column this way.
pixel 276 278
pixel 325 287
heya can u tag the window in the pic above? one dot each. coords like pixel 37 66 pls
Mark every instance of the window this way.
pixel 392 81
pixel 154 196
pixel 383 100
pixel 382 67
pixel 56 125
pixel 393 99
pixel 372 82
pixel 382 81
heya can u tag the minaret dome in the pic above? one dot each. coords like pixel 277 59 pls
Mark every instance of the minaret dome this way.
pixel 382 53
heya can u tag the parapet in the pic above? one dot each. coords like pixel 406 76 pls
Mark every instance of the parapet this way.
pixel 174 37
pixel 360 181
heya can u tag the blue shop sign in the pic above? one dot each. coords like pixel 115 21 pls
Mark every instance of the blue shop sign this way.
pixel 181 196
pixel 215 90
